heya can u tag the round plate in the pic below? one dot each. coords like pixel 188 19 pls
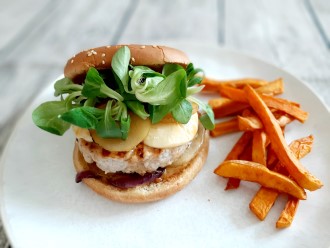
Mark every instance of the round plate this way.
pixel 41 205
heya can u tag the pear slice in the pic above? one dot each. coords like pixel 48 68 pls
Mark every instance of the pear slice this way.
pixel 138 131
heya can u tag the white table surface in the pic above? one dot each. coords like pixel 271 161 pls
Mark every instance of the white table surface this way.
pixel 38 36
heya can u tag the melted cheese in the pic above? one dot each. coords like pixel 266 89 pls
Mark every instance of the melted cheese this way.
pixel 82 133
pixel 171 134
pixel 161 135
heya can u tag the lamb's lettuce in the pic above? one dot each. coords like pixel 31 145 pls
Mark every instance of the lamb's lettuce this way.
pixel 102 103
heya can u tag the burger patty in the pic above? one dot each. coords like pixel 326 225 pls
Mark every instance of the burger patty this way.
pixel 142 159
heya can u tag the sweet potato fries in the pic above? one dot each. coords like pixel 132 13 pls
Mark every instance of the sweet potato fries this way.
pixel 262 154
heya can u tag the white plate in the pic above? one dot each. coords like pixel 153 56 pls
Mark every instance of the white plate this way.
pixel 42 206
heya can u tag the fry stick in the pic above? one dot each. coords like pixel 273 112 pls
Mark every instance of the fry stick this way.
pixel 223 107
pixel 275 87
pixel 213 84
pixel 265 198
pixel 249 123
pixel 272 158
pixel 286 106
pixel 303 177
pixel 282 118
pixel 300 149
pixel 255 172
pixel 225 127
pixel 288 213
pixel 263 201
pixel 235 152
pixel 259 147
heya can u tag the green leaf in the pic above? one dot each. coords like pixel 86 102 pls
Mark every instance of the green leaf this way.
pixel 119 65
pixel 207 116
pixel 108 128
pixel 110 93
pixel 84 117
pixel 95 86
pixel 143 79
pixel 195 80
pixel 65 86
pixel 190 68
pixel 129 97
pixel 152 74
pixel 182 111
pixel 138 109
pixel 194 90
pixel 93 82
pixel 125 124
pixel 183 86
pixel 158 112
pixel 45 116
pixel 165 92
pixel 192 71
pixel 170 68
pixel 207 119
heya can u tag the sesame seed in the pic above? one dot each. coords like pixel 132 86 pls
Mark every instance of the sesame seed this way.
pixel 103 55
pixel 71 61
pixel 143 46
pixel 91 52
pixel 133 59
pixel 108 46
pixel 154 46
pixel 103 62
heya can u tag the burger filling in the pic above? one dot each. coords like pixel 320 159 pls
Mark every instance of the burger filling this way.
pixel 143 164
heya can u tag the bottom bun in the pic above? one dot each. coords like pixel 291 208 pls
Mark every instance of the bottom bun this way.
pixel 147 192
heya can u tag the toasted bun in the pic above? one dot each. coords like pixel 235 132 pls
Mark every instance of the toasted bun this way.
pixel 100 58
pixel 148 192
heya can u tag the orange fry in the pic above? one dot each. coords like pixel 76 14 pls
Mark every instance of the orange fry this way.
pixel 282 118
pixel 271 157
pixel 225 127
pixel 259 144
pixel 237 150
pixel 273 130
pixel 265 198
pixel 213 84
pixel 255 172
pixel 275 87
pixel 263 201
pixel 232 183
pixel 300 149
pixel 249 123
pixel 288 213
pixel 223 107
pixel 286 106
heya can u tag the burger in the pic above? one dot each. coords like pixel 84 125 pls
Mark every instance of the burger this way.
pixel 141 134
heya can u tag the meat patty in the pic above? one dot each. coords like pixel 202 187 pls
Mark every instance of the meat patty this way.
pixel 142 159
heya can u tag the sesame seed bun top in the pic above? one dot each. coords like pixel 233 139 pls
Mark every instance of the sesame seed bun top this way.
pixel 148 55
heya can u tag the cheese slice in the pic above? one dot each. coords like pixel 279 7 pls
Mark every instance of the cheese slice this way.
pixel 171 134
pixel 164 134
pixel 82 133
